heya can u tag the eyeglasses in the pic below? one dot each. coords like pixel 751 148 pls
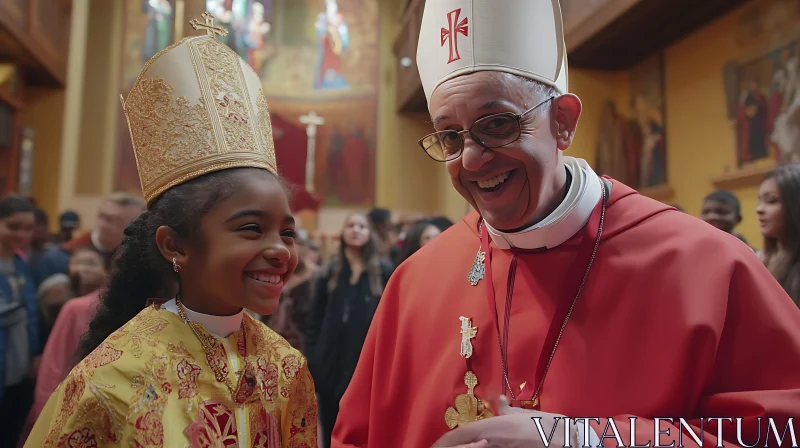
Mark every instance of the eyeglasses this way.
pixel 491 131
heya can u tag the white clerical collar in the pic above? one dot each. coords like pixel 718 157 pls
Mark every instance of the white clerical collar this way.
pixel 219 326
pixel 566 220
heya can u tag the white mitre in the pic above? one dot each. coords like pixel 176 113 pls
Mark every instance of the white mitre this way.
pixel 523 37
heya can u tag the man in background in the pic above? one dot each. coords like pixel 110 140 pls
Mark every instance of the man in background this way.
pixel 113 215
pixel 68 222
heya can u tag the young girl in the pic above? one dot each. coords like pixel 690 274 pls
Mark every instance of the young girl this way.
pixel 345 298
pixel 779 221
pixel 19 323
pixel 419 234
pixel 196 371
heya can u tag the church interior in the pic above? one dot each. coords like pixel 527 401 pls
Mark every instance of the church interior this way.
pixel 695 104
pixel 662 84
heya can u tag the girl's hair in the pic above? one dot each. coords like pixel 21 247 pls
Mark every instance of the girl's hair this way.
pixel 14 204
pixel 783 260
pixel 372 261
pixel 413 237
pixel 139 272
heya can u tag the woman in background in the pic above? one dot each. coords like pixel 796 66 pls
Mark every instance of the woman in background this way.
pixel 290 319
pixel 345 297
pixel 19 320
pixel 86 274
pixel 419 234
pixel 779 221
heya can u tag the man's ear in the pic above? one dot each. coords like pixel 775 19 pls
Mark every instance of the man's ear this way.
pixel 170 247
pixel 567 112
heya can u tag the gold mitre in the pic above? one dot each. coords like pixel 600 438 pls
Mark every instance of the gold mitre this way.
pixel 196 108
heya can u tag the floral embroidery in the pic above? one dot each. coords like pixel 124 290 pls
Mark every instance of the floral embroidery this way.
pixel 268 374
pixel 295 443
pixel 217 359
pixel 285 392
pixel 147 325
pixel 106 423
pixel 103 355
pixel 167 130
pixel 265 430
pixel 291 365
pixel 179 350
pixel 187 379
pixel 73 391
pixel 240 344
pixel 215 427
pixel 150 430
pixel 80 438
pixel 264 124
pixel 231 97
pixel 148 403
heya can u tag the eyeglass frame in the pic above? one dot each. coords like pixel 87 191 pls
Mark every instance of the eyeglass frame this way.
pixel 477 140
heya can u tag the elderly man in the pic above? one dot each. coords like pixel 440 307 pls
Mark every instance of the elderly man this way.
pixel 564 293
pixel 114 214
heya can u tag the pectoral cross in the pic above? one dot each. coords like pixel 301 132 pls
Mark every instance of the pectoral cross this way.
pixel 208 26
pixel 312 120
pixel 467 408
pixel 467 333
pixel 450 34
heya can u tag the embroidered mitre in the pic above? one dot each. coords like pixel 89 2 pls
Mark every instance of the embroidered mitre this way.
pixel 196 108
pixel 522 37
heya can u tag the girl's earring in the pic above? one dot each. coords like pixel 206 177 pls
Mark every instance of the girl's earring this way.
pixel 175 266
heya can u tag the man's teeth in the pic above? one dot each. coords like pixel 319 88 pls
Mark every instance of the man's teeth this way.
pixel 493 182
pixel 266 278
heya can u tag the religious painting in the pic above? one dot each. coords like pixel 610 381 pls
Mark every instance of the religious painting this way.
pixel 648 105
pixel 344 151
pixel 763 87
pixel 619 143
pixel 318 56
pixel 148 28
pixel 315 49
pixel 249 26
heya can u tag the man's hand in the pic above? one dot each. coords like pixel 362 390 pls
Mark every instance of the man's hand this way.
pixel 513 428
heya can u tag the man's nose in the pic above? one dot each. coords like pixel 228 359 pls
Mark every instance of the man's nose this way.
pixel 474 155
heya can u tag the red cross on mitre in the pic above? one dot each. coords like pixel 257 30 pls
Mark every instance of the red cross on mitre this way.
pixel 454 28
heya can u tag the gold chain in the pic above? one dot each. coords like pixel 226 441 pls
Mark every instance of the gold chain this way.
pixel 208 347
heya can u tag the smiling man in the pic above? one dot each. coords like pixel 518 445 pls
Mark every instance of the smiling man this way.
pixel 566 293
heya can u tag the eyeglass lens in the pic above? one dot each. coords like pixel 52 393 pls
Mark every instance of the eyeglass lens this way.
pixel 492 131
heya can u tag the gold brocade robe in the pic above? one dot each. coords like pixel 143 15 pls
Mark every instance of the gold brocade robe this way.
pixel 149 385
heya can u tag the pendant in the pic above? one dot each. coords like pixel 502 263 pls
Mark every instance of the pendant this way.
pixel 476 273
pixel 246 386
pixel 530 405
pixel 467 407
pixel 467 333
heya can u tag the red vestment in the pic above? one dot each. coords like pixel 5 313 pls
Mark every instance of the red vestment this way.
pixel 676 319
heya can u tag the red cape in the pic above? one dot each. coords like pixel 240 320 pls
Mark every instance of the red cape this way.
pixel 677 319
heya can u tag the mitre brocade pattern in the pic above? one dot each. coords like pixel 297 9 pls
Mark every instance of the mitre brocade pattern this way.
pixel 166 131
pixel 176 138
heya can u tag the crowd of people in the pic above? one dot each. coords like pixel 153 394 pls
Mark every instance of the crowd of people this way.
pixel 201 314
pixel 50 285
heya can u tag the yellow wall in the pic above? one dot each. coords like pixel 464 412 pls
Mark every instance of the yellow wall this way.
pixel 594 88
pixel 44 113
pixel 406 179
pixel 701 140
pixel 100 105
